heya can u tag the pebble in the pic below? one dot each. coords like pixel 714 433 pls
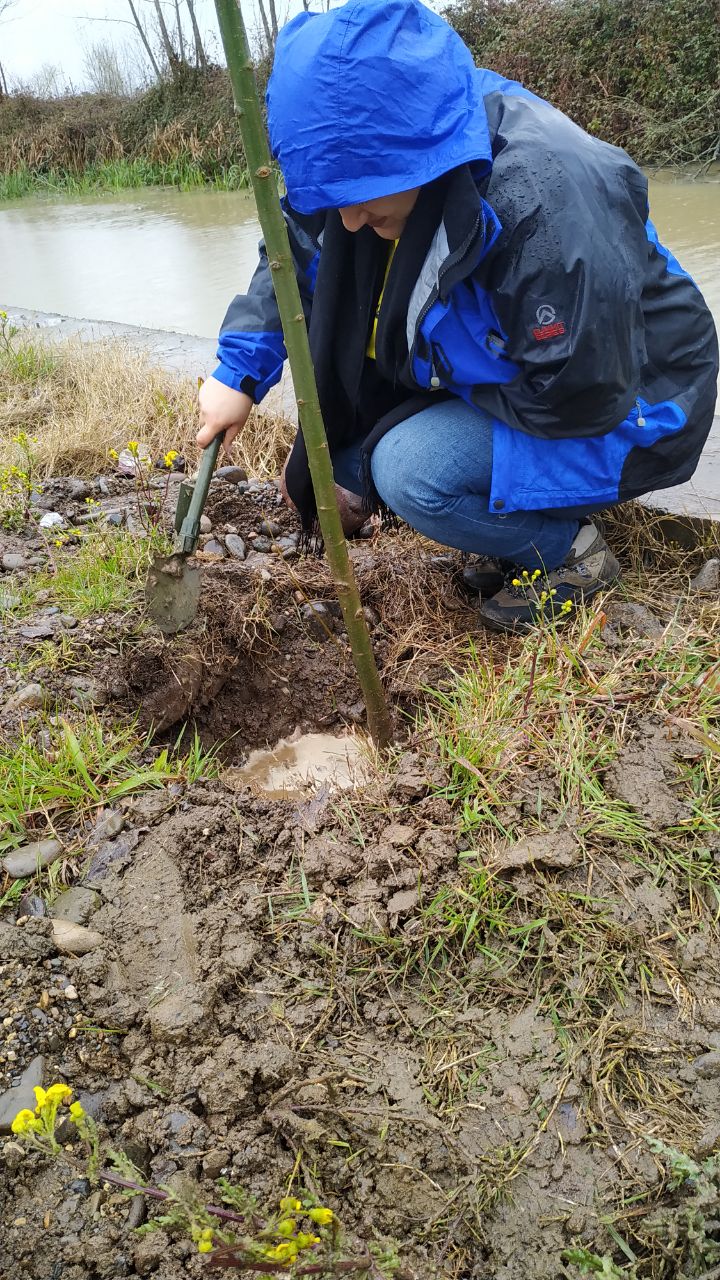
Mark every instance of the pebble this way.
pixel 235 546
pixel 114 518
pixel 51 520
pixel 205 523
pixel 68 620
pixel 108 826
pixel 29 858
pixel 270 528
pixel 214 548
pixel 31 696
pixel 21 1095
pixel 31 905
pixel 13 560
pixel 262 544
pixel 708 579
pixel 8 601
pixel 318 619
pixel 74 940
pixel 75 905
pixel 70 992
pixel 232 475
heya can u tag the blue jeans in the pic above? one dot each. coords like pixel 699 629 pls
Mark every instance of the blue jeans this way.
pixel 434 471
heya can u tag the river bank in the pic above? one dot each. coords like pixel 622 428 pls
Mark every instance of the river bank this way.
pixel 473 1006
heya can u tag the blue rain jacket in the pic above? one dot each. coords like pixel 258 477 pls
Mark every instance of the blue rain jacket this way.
pixel 529 279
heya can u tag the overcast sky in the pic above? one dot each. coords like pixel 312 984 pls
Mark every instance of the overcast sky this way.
pixel 35 32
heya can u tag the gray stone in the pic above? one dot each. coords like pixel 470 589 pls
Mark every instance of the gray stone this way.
pixel 30 697
pixel 8 601
pixel 232 474
pixel 68 620
pixel 76 905
pixel 262 544
pixel 708 579
pixel 108 826
pixel 115 518
pixel 270 528
pixel 205 523
pixel 235 546
pixel 31 905
pixel 38 631
pixel 321 616
pixel 214 548
pixel 74 939
pixel 29 858
pixel 13 560
pixel 21 1095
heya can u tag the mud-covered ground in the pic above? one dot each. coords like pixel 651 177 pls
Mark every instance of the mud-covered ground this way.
pixel 463 1036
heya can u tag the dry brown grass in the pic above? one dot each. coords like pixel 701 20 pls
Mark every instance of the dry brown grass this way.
pixel 78 400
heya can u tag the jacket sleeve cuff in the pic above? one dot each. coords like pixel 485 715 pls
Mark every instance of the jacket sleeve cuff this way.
pixel 234 379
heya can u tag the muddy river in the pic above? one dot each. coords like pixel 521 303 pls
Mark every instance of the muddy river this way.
pixel 172 260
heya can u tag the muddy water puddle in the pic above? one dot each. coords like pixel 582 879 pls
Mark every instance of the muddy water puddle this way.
pixel 296 766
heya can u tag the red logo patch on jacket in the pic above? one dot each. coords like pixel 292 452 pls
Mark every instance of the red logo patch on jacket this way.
pixel 545 331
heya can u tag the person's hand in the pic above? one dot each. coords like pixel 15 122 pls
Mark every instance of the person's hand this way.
pixel 221 409
pixel 352 514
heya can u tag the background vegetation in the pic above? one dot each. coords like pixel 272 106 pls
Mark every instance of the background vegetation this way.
pixel 644 74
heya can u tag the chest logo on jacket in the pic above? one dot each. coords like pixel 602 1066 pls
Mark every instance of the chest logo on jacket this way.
pixel 547 325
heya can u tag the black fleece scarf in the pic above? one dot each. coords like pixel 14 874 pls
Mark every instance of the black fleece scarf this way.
pixel 361 398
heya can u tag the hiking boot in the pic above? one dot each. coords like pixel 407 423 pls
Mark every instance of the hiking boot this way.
pixel 484 577
pixel 528 598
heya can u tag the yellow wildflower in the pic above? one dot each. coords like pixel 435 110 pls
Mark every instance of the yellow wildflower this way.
pixel 170 457
pixel 321 1216
pixel 114 454
pixel 77 1111
pixel 133 447
pixel 516 582
pixel 25 1121
pixel 205 1240
pixel 290 1205
pixel 56 1094
pixel 286 1251
pixel 286 1227
pixel 305 1240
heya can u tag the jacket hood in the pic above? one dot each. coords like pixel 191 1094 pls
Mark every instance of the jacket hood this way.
pixel 371 99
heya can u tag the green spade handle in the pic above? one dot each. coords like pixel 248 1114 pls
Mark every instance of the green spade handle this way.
pixel 189 531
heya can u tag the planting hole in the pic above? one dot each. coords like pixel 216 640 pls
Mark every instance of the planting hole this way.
pixel 297 765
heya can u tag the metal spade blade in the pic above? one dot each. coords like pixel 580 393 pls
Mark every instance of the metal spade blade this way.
pixel 172 593
pixel 172 588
